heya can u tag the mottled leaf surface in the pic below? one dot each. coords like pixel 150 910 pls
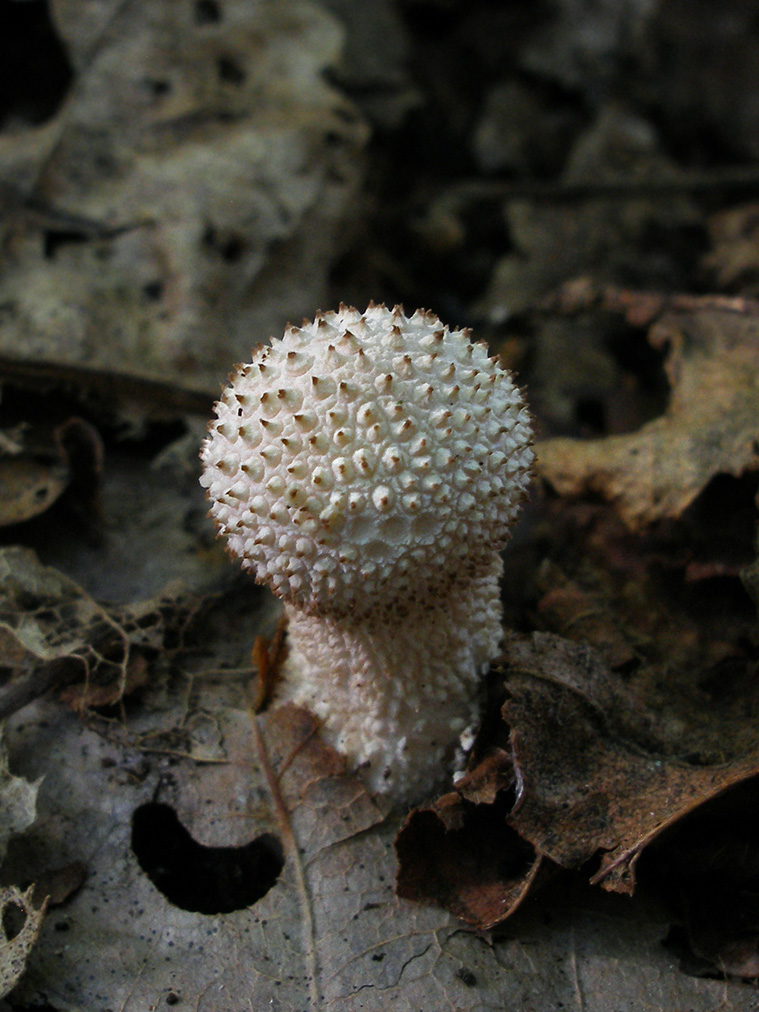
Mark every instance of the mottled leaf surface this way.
pixel 187 195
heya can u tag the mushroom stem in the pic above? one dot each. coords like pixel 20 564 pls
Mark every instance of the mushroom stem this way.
pixel 396 690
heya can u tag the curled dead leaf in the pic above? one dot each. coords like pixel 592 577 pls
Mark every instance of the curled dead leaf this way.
pixel 710 427
pixel 459 853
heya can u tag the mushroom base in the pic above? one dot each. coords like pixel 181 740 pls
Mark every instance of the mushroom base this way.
pixel 396 693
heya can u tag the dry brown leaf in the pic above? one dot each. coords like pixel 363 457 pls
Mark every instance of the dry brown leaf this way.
pixel 580 614
pixel 459 853
pixel 711 425
pixel 589 787
pixel 481 872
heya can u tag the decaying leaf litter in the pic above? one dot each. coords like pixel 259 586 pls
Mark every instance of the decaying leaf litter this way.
pixel 619 745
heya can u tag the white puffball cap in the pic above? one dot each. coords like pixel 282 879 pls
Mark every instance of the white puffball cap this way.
pixel 365 456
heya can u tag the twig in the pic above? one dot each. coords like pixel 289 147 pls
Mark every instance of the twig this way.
pixel 111 385
pixel 731 178
pixel 37 682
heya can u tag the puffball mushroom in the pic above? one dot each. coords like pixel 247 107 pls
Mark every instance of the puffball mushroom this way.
pixel 369 467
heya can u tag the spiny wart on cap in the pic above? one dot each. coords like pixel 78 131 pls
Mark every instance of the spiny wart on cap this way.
pixel 369 468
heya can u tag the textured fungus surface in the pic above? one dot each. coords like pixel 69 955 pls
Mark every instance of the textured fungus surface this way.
pixel 369 467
